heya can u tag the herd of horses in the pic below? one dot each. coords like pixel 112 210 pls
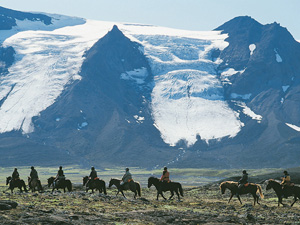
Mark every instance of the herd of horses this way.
pixel 174 187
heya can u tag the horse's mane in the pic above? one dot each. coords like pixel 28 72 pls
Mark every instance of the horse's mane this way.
pixel 228 182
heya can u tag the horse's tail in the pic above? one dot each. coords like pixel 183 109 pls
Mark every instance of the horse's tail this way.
pixel 259 190
pixel 138 187
pixel 69 185
pixel 104 188
pixel 180 190
pixel 40 185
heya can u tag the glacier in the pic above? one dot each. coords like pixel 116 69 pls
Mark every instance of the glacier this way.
pixel 187 98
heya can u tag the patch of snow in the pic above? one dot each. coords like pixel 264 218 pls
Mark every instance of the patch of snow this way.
pixel 45 62
pixel 187 99
pixel 284 88
pixel 293 127
pixel 82 125
pixel 278 57
pixel 137 75
pixel 58 21
pixel 139 119
pixel 225 74
pixel 77 77
pixel 247 111
pixel 238 96
pixel 252 47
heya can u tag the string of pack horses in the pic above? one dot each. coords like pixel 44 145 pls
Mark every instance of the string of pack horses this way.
pixel 283 189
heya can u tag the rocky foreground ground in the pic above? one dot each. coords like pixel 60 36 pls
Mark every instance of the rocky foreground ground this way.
pixel 202 205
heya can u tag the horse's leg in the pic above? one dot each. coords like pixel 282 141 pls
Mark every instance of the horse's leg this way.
pixel 257 198
pixel 163 196
pixel 239 199
pixel 230 197
pixel 157 196
pixel 177 195
pixel 123 194
pixel 254 197
pixel 172 194
pixel 295 199
pixel 64 189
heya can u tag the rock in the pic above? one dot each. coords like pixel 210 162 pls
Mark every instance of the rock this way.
pixel 250 217
pixel 13 204
pixel 5 206
pixel 74 217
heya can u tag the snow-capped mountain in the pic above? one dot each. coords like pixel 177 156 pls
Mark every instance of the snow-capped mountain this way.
pixel 82 91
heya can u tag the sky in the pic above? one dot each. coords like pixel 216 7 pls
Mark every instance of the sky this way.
pixel 199 15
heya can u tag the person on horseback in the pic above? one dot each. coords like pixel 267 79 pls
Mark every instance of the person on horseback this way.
pixel 243 180
pixel 93 175
pixel 286 179
pixel 165 176
pixel 60 175
pixel 15 175
pixel 33 175
pixel 127 177
pixel 286 183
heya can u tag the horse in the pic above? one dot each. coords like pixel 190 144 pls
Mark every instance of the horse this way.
pixel 34 183
pixel 15 183
pixel 63 184
pixel 97 184
pixel 280 191
pixel 133 186
pixel 164 186
pixel 233 187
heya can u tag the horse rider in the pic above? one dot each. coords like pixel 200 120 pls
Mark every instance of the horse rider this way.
pixel 127 177
pixel 165 176
pixel 286 182
pixel 93 174
pixel 60 175
pixel 286 179
pixel 15 175
pixel 243 180
pixel 33 175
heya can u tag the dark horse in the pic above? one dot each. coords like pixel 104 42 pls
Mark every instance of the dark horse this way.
pixel 35 183
pixel 287 191
pixel 60 184
pixel 15 183
pixel 233 187
pixel 133 186
pixel 165 186
pixel 97 184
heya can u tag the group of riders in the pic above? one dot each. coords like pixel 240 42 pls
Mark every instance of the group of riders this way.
pixel 127 177
pixel 285 183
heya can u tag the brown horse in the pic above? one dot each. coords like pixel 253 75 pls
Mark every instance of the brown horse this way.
pixel 233 187
pixel 97 184
pixel 132 185
pixel 280 191
pixel 165 186
pixel 63 184
pixel 35 183
pixel 15 183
